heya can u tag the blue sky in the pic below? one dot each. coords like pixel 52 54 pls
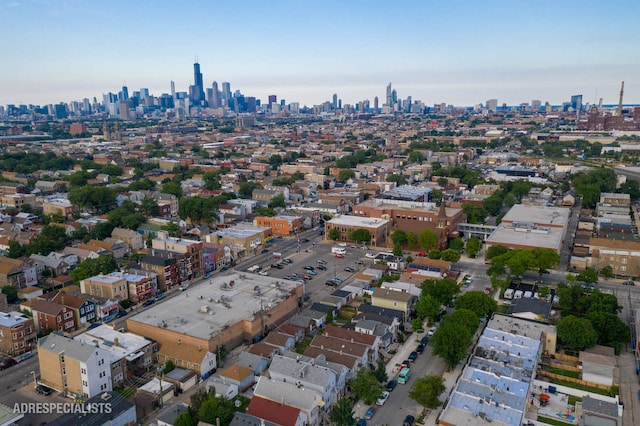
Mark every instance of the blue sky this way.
pixel 458 52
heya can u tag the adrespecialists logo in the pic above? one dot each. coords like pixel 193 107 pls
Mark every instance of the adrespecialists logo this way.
pixel 62 408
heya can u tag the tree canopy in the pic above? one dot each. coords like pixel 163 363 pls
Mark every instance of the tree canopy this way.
pixel 103 264
pixel 478 302
pixel 366 387
pixel 576 333
pixel 426 391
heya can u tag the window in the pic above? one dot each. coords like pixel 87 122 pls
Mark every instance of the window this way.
pixel 64 371
pixel 624 260
pixel 62 359
pixel 83 371
pixel 68 315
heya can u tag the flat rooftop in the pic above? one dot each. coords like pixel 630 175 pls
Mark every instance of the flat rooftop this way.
pixel 241 231
pixel 128 345
pixel 541 215
pixel 223 300
pixel 527 235
pixel 494 386
pixel 364 222
pixel 11 319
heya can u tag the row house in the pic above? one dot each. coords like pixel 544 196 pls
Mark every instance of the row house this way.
pixel 132 238
pixel 17 333
pixel 58 206
pixel 107 286
pixel 84 310
pixel 51 316
pixel 17 273
pixel 213 256
pixel 104 308
pixel 75 368
pixel 169 200
pixel 243 239
pixel 118 248
pixel 13 188
pixel 165 265
pixel 188 253
pixel 55 265
pixel 142 285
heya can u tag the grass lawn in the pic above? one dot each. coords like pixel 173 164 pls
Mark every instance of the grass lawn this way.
pixel 613 390
pixel 567 373
pixel 303 344
pixel 573 399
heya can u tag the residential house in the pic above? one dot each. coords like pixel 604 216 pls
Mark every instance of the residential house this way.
pixel 343 347
pixel 598 365
pixel 84 310
pixel 182 379
pixel 257 363
pixel 198 359
pixel 58 206
pixel 30 293
pixel 161 391
pixel 391 299
pixel 165 265
pixel 73 367
pixel 306 400
pixel 53 264
pixel 598 412
pixel 16 273
pixel 238 375
pixel 344 334
pixel 276 413
pixel 283 225
pixel 107 286
pixel 189 255
pixel 307 375
pixel 17 333
pixel 132 238
pixel 49 315
pixel 129 354
pixel 280 341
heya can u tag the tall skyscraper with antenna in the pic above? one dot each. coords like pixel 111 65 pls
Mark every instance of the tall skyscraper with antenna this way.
pixel 196 92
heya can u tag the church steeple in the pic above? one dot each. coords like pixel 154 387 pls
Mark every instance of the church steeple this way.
pixel 442 228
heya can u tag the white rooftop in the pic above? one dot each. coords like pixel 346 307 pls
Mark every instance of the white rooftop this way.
pixel 541 215
pixel 363 222
pixel 221 301
pixel 128 346
pixel 11 319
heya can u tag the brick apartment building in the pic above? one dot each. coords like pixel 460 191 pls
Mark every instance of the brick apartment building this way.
pixel 17 333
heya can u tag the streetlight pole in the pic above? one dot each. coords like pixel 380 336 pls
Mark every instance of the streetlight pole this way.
pixel 35 382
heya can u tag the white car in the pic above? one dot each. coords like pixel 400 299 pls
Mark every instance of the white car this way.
pixel 383 398
pixel 264 273
pixel 431 331
pixel 183 287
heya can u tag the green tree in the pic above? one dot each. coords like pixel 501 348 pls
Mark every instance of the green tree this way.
pixel 544 259
pixel 426 391
pixel 450 255
pixel 399 237
pixel 474 212
pixel 246 189
pixel 173 188
pixel 442 290
pixel 11 292
pixel 607 271
pixel 576 333
pixel 427 239
pixel 456 244
pixel 342 413
pixel 187 418
pixel 474 245
pixel 611 330
pixel 149 207
pixel 16 250
pixel 451 342
pixel 478 302
pixel 334 234
pixel 365 386
pixel 104 264
pixel 277 201
pixel 427 306
pixel 169 366
pixel 346 174
pixel 380 372
pixel 434 254
pixel 329 316
pixel 211 181
pixel 589 275
pixel 360 235
pixel 631 187
pixel 172 229
pixel 495 251
pixel 398 179
pixel 214 408
pixel 397 250
pixel 493 204
pixel 412 240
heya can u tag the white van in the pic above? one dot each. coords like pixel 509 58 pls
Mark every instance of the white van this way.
pixel 517 294
pixel 528 294
pixel 508 293
pixel 338 250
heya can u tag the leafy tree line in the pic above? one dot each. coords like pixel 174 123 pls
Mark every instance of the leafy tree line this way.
pixel 589 318
pixel 202 210
pixel 103 264
pixel 51 238
pixel 521 260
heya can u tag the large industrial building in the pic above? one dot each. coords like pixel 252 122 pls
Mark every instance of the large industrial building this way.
pixel 227 309
pixel 529 227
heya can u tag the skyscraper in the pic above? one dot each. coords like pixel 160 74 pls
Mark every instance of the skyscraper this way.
pixel 215 96
pixel 173 90
pixel 335 101
pixel 375 105
pixel 196 92
pixel 225 95
pixel 389 103
pixel 576 102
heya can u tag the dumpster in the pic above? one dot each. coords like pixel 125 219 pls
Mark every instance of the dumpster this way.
pixel 552 389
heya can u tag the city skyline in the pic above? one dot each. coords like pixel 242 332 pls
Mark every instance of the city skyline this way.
pixel 462 55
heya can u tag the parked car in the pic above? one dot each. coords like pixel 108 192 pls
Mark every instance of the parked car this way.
pixel 121 313
pixel 263 273
pixel 359 262
pixel 383 398
pixel 370 412
pixel 424 341
pixel 349 269
pixel 322 267
pixel 321 261
pixel 6 363
pixel 277 265
pixel 148 302
pixel 629 283
pixel 338 280
pixel 160 296
pixel 408 421
pixel 183 287
pixel 287 261
pixel 340 256
pixel 331 283
pixel 361 422
pixel 391 385
pixel 309 268
pixel 406 363
pixel 295 275
pixel 44 390
pixel 431 331
pixel 311 272
pixel 413 356
pixel 420 348
pixel 307 277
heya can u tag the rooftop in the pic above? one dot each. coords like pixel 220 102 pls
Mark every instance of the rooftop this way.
pixel 213 305
pixel 364 222
pixel 528 235
pixel 120 345
pixel 244 230
pixel 540 215
pixel 11 319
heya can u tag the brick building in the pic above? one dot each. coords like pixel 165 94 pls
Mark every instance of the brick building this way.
pixel 17 333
